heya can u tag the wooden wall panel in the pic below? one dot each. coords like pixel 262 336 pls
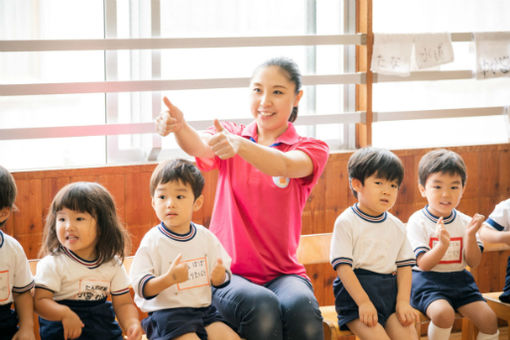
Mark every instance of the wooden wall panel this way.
pixel 488 183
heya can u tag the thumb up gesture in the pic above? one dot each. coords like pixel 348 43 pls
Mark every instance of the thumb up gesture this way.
pixel 218 273
pixel 224 144
pixel 170 120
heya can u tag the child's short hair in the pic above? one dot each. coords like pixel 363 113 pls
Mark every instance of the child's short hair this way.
pixel 178 170
pixel 94 199
pixel 7 189
pixel 369 160
pixel 444 161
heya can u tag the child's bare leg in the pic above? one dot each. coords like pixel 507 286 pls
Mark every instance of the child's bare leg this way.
pixel 442 316
pixel 481 315
pixel 364 332
pixel 188 336
pixel 397 331
pixel 220 331
pixel 441 313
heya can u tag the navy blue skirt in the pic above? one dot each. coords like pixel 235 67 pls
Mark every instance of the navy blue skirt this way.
pixel 97 316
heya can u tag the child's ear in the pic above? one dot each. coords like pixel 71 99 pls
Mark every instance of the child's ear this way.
pixel 198 203
pixel 422 190
pixel 356 184
pixel 4 213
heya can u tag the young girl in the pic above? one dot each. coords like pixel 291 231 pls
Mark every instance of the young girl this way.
pixel 263 167
pixel 84 246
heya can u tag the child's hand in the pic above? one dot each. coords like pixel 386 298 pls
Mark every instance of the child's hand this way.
pixel 171 120
pixel 72 325
pixel 134 332
pixel 218 273
pixel 405 313
pixel 475 225
pixel 368 314
pixel 178 272
pixel 224 144
pixel 442 234
pixel 24 334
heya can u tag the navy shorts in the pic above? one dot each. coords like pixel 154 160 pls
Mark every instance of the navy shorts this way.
pixel 97 316
pixel 458 288
pixel 380 288
pixel 170 323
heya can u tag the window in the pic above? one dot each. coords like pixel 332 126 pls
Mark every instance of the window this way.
pixel 484 99
pixel 100 101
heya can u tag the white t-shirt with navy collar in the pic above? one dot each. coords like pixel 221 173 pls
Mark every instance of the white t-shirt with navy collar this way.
pixel 15 275
pixel 499 219
pixel 70 277
pixel 375 243
pixel 200 250
pixel 421 230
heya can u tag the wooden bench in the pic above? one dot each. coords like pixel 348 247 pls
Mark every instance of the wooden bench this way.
pixel 314 249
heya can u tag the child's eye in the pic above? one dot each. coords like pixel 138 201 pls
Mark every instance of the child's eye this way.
pixel 257 90
pixel 394 186
pixel 60 219
pixel 180 197
pixel 436 187
pixel 161 197
pixel 80 218
pixel 277 92
pixel 455 187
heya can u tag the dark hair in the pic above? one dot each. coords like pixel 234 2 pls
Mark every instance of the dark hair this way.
pixel 291 70
pixel 178 170
pixel 369 160
pixel 7 189
pixel 444 161
pixel 94 199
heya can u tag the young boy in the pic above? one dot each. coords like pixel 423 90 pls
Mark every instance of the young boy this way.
pixel 368 247
pixel 178 261
pixel 444 241
pixel 497 229
pixel 16 280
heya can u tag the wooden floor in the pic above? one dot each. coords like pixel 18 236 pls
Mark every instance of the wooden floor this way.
pixel 503 331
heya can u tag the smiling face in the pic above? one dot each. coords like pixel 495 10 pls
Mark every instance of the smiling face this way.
pixel 77 231
pixel 443 192
pixel 174 204
pixel 376 195
pixel 273 96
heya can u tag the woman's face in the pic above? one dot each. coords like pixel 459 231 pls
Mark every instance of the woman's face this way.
pixel 273 96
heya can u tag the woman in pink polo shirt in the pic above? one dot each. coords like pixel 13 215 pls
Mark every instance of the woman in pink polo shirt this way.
pixel 266 173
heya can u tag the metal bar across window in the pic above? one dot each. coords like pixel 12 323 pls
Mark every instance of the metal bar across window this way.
pixel 162 43
pixel 148 127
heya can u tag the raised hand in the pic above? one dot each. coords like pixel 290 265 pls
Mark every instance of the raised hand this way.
pixel 218 273
pixel 170 120
pixel 475 224
pixel 178 272
pixel 224 144
pixel 442 234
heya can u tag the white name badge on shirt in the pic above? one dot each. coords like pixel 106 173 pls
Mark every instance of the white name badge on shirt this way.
pixel 198 274
pixel 453 253
pixel 5 291
pixel 92 290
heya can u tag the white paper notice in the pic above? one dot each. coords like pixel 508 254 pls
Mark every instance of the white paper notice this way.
pixel 392 54
pixel 432 49
pixel 492 55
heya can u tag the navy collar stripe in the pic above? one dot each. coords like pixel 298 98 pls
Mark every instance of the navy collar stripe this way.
pixel 433 218
pixel 369 218
pixel 178 237
pixel 89 264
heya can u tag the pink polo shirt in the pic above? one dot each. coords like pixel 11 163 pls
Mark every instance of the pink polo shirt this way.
pixel 257 217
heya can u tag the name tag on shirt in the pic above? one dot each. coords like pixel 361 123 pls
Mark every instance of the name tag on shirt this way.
pixel 198 274
pixel 92 290
pixel 4 285
pixel 453 253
